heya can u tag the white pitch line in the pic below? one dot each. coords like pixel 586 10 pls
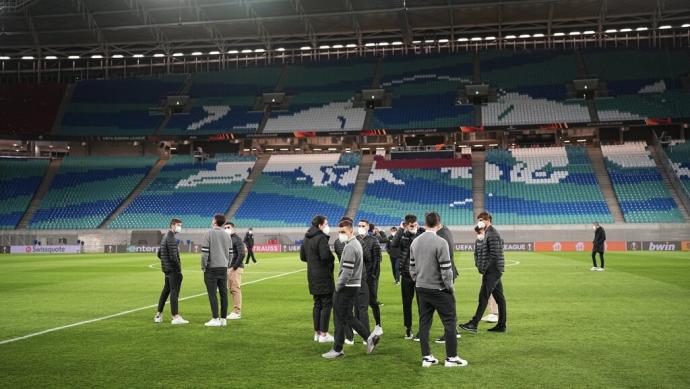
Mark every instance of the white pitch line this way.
pixel 81 323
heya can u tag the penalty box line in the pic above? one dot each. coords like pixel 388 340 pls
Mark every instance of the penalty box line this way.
pixel 81 323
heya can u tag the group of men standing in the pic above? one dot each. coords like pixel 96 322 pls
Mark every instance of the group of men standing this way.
pixel 423 264
pixel 222 255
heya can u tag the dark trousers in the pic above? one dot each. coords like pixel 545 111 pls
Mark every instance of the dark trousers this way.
pixel 407 289
pixel 601 258
pixel 343 301
pixel 361 309
pixel 373 284
pixel 443 302
pixel 250 254
pixel 322 311
pixel 491 284
pixel 395 266
pixel 173 284
pixel 216 279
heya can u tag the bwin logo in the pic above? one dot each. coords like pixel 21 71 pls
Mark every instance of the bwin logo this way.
pixel 662 247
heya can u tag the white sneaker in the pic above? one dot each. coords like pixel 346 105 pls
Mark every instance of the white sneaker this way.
pixel 158 319
pixel 333 354
pixel 234 316
pixel 429 361
pixel 491 318
pixel 223 322
pixel 213 323
pixel 455 362
pixel 328 338
pixel 316 337
pixel 378 330
pixel 178 320
pixel 600 269
pixel 349 342
pixel 372 342
pixel 594 268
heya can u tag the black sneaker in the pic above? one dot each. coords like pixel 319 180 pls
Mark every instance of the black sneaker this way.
pixel 440 340
pixel 469 327
pixel 497 329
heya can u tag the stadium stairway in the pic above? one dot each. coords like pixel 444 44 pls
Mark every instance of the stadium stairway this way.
pixel 53 168
pixel 248 185
pixel 478 181
pixel 604 180
pixel 672 186
pixel 145 182
pixel 360 185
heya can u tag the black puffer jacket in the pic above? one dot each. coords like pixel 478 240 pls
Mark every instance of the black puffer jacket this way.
pixel 371 252
pixel 169 254
pixel 445 233
pixel 319 258
pixel 402 241
pixel 237 252
pixel 599 239
pixel 490 254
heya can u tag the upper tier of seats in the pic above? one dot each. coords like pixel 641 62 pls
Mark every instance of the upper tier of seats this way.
pixel 187 190
pixel 86 190
pixel 552 185
pixel 117 107
pixel 294 188
pixel 679 154
pixel 19 180
pixel 29 108
pixel 221 102
pixel 399 187
pixel 424 91
pixel 518 109
pixel 322 95
pixel 639 187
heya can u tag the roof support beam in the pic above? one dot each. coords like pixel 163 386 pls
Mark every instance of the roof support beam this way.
pixel 145 17
pixel 308 27
pixel 355 21
pixel 262 31
pixel 34 34
pixel 212 30
pixel 83 10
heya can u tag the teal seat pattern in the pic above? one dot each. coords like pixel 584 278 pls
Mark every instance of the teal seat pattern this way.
pixel 19 180
pixel 552 185
pixel 679 154
pixel 292 189
pixel 188 190
pixel 639 187
pixel 86 190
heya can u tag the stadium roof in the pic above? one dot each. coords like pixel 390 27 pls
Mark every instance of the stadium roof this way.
pixel 81 27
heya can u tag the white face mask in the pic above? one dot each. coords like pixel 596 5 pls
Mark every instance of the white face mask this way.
pixel 342 238
pixel 481 225
pixel 362 231
pixel 178 229
pixel 229 231
pixel 251 232
pixel 594 228
pixel 326 230
pixel 480 236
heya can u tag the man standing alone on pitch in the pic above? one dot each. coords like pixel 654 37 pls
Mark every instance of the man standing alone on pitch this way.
pixel 216 251
pixel 249 242
pixel 171 266
pixel 349 281
pixel 491 264
pixel 316 252
pixel 235 272
pixel 432 272
pixel 598 246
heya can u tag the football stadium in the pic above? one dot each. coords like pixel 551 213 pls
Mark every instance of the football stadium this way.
pixel 344 193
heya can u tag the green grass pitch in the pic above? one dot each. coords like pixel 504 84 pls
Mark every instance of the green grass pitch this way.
pixel 568 327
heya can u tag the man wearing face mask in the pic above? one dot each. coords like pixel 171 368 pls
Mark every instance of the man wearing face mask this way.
pixel 316 252
pixel 235 271
pixel 598 246
pixel 216 251
pixel 349 281
pixel 368 292
pixel 169 255
pixel 492 317
pixel 338 246
pixel 491 264
pixel 249 242
pixel 402 240
pixel 445 233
